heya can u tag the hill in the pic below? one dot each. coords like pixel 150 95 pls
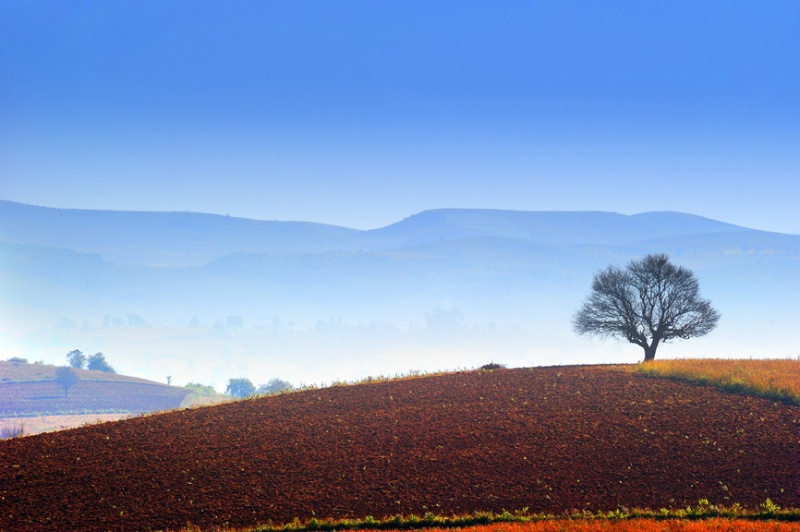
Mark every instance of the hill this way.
pixel 160 238
pixel 548 439
pixel 553 227
pixel 32 390
pixel 181 239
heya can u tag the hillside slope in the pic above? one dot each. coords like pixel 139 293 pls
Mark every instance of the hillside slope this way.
pixel 163 238
pixel 32 390
pixel 550 439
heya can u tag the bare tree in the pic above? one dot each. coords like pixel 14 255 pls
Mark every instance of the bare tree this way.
pixel 649 302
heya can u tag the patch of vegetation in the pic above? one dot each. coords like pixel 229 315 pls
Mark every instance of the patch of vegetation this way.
pixel 767 511
pixel 274 386
pixel 773 379
pixel 97 362
pixel 202 395
pixel 240 388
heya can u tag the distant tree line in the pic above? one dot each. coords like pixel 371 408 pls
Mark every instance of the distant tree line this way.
pixel 66 376
pixel 95 362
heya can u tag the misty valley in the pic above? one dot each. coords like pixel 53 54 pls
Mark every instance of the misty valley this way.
pixel 205 298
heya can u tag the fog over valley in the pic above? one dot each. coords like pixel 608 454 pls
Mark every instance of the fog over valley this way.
pixel 205 298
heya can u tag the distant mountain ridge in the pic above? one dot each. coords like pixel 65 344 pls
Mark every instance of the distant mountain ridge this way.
pixel 550 227
pixel 161 238
pixel 192 239
pixel 493 283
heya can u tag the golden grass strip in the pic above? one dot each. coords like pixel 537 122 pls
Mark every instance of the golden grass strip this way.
pixel 775 379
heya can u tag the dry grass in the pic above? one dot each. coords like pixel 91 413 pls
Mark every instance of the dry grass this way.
pixel 776 379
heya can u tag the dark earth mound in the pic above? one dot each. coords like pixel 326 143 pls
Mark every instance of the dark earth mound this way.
pixel 549 439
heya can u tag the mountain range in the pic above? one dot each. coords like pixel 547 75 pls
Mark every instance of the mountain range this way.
pixel 202 295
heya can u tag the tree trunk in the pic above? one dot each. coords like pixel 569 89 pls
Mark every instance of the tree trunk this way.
pixel 650 351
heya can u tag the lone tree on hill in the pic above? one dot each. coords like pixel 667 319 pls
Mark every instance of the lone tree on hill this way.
pixel 66 377
pixel 649 302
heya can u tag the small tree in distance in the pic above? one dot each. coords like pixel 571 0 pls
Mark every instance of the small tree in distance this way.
pixel 97 362
pixel 649 302
pixel 76 359
pixel 66 377
pixel 275 386
pixel 240 388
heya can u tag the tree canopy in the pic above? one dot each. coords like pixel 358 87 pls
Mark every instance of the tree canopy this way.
pixel 76 359
pixel 649 302
pixel 97 362
pixel 66 377
pixel 274 385
pixel 240 388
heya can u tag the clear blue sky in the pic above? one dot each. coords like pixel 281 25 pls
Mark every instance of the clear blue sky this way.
pixel 360 113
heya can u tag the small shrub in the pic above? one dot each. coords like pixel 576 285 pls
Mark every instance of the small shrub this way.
pixel 491 366
pixel 14 431
pixel 769 508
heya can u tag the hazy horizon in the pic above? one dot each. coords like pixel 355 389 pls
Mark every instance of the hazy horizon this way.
pixel 208 298
pixel 395 221
pixel 361 113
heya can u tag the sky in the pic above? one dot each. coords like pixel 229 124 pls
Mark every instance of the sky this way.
pixel 361 113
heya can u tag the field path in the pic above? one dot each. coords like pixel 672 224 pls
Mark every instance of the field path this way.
pixel 549 439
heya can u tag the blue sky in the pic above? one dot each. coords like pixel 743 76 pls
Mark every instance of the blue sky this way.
pixel 360 113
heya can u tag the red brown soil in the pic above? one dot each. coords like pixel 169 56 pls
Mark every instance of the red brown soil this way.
pixel 549 439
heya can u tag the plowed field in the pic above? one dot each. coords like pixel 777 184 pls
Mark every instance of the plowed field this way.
pixel 550 439
pixel 31 390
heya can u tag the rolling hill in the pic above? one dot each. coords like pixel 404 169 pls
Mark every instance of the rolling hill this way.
pixel 547 439
pixel 32 390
